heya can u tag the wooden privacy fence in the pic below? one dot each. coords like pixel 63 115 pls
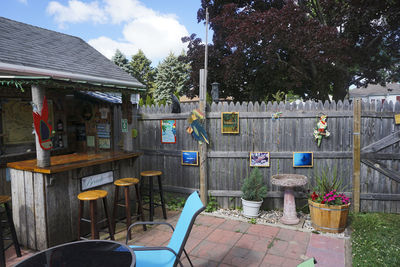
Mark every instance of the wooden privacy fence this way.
pixel 228 154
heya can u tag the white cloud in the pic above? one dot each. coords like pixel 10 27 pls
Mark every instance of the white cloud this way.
pixel 76 12
pixel 107 46
pixel 142 28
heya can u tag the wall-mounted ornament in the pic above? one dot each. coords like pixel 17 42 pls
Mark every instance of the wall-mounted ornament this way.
pixel 230 122
pixel 42 127
pixel 190 158
pixel 196 129
pixel 303 159
pixel 134 133
pixel 276 115
pixel 397 118
pixel 168 131
pixel 259 159
pixel 321 131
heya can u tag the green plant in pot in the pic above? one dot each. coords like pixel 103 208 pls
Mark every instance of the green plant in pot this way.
pixel 329 207
pixel 253 192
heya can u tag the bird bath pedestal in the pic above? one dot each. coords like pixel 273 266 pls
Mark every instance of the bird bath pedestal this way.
pixel 288 181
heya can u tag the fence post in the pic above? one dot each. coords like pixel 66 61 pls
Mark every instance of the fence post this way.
pixel 203 146
pixel 356 153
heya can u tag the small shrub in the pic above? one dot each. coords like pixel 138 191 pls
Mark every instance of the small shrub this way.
pixel 212 204
pixel 253 188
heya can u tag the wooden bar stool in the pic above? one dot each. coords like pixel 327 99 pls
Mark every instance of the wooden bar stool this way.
pixel 126 183
pixel 4 201
pixel 152 174
pixel 93 196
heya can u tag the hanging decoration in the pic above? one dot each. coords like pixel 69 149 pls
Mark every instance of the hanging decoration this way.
pixel 276 115
pixel 196 129
pixel 321 131
pixel 42 127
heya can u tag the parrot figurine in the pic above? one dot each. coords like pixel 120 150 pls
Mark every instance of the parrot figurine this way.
pixel 320 130
pixel 195 128
pixel 42 126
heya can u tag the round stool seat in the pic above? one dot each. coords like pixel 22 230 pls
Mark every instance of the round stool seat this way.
pixel 4 199
pixel 92 195
pixel 126 181
pixel 151 173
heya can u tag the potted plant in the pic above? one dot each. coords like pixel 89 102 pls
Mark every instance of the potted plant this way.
pixel 329 207
pixel 253 192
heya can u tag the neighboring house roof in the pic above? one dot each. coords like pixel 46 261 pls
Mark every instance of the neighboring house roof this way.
pixel 376 90
pixel 34 51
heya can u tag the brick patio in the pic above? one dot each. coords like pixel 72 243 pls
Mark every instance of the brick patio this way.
pixel 225 242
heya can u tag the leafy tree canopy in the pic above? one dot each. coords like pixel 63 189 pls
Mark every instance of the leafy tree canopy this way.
pixel 309 47
pixel 172 76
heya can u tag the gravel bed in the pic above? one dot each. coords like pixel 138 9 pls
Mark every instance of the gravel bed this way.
pixel 272 217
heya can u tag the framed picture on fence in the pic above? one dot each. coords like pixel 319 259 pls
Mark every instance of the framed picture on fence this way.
pixel 259 159
pixel 190 158
pixel 168 131
pixel 302 159
pixel 230 122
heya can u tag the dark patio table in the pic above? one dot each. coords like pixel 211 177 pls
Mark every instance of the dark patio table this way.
pixel 96 253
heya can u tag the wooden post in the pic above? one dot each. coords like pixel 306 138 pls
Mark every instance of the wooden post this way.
pixel 203 147
pixel 356 153
pixel 127 114
pixel 43 156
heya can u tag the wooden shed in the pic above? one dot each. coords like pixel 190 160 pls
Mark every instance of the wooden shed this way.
pixel 79 84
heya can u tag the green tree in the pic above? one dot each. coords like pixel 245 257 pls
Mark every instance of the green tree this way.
pixel 312 47
pixel 172 76
pixel 121 61
pixel 141 69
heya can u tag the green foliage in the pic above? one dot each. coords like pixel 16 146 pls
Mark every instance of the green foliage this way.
pixel 172 75
pixel 327 180
pixel 149 100
pixel 375 239
pixel 212 204
pixel 253 221
pixel 141 69
pixel 175 203
pixel 121 61
pixel 253 188
pixel 278 54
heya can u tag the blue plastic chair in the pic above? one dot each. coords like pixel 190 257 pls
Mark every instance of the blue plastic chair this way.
pixel 170 255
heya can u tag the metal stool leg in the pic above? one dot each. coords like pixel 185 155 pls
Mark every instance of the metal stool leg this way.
pixel 114 214
pixel 81 203
pixel 12 230
pixel 151 198
pixel 162 197
pixel 93 219
pixel 140 207
pixel 110 228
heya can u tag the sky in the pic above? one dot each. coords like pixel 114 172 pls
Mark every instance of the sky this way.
pixel 154 26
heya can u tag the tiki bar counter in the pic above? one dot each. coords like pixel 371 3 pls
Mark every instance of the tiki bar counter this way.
pixel 67 125
pixel 45 203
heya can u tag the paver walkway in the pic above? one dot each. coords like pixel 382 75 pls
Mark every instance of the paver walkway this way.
pixel 223 242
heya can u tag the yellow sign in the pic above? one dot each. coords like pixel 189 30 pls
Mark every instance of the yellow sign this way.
pixel 397 118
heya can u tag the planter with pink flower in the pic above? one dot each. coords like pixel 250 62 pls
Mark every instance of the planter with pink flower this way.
pixel 329 207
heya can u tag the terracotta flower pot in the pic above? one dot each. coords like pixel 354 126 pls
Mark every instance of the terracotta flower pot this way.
pixel 328 218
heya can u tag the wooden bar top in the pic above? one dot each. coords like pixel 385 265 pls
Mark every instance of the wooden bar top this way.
pixel 71 161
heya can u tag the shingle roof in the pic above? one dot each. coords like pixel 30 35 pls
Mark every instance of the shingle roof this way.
pixel 376 90
pixel 30 47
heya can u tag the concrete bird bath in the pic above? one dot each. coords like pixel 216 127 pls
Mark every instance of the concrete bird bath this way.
pixel 288 181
